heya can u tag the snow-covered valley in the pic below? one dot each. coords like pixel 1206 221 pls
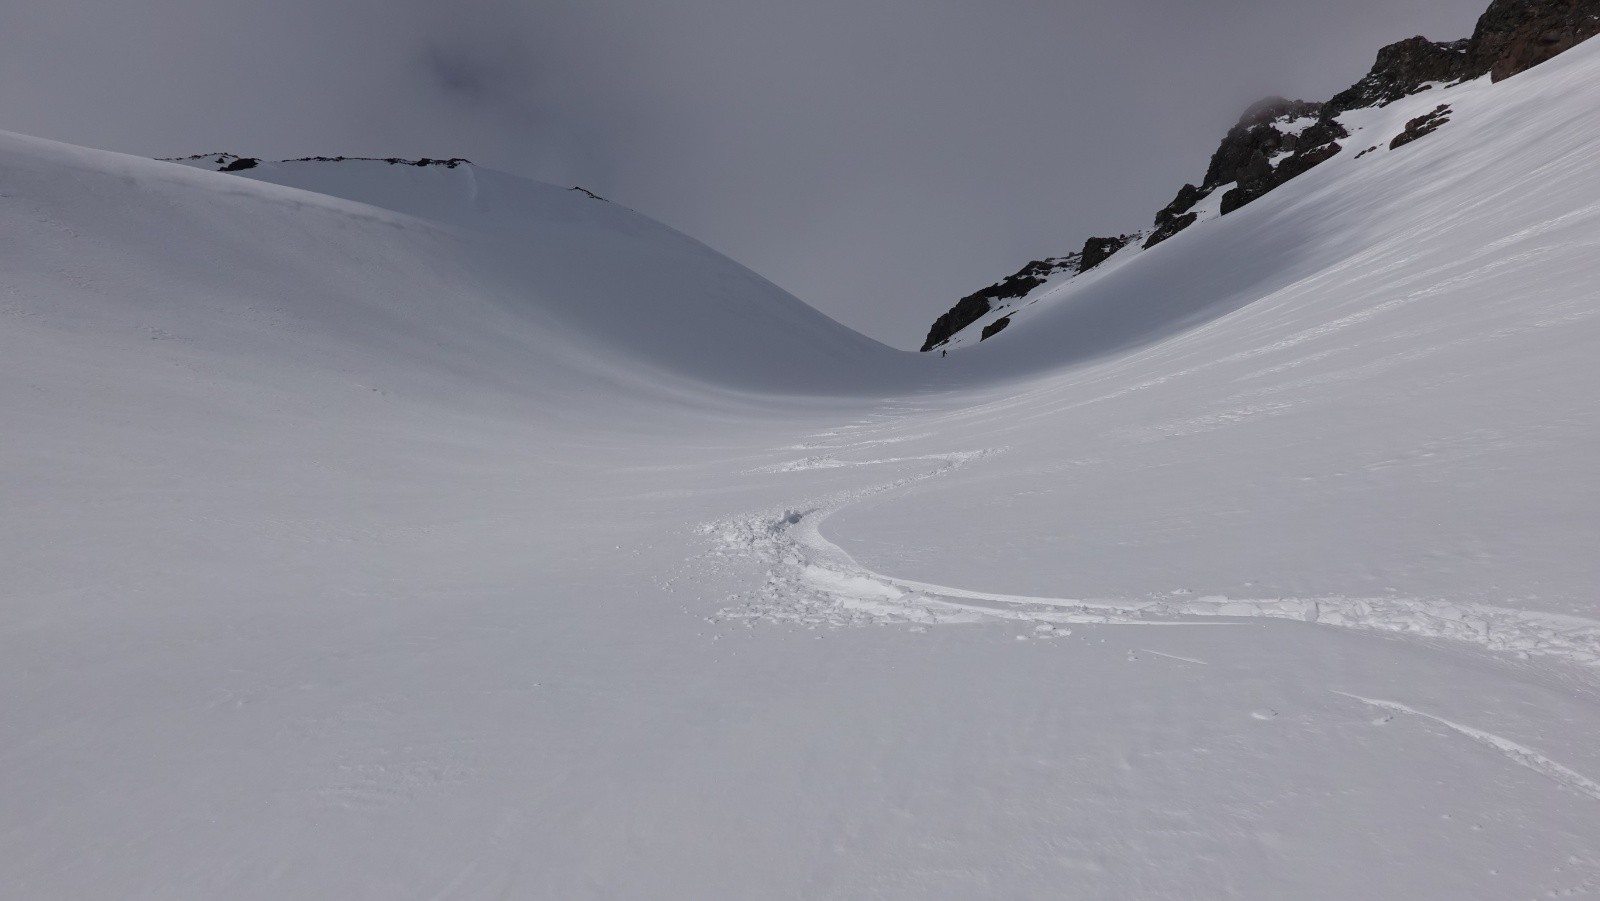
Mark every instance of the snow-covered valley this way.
pixel 380 531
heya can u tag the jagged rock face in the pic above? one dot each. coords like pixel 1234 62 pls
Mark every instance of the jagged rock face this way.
pixel 967 310
pixel 228 162
pixel 1301 162
pixel 1255 135
pixel 1098 250
pixel 974 306
pixel 1269 108
pixel 1252 155
pixel 1296 165
pixel 1511 36
pixel 1422 125
pixel 1402 69
pixel 1188 196
pixel 1516 35
pixel 1325 131
pixel 391 160
pixel 1175 216
pixel 994 328
pixel 223 161
pixel 1171 227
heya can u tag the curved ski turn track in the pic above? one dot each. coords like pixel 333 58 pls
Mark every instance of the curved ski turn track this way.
pixel 812 580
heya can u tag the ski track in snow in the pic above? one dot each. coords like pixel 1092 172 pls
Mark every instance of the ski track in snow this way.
pixel 1174 656
pixel 812 581
pixel 1521 755
pixel 830 462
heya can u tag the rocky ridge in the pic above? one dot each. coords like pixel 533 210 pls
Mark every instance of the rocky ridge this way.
pixel 1278 139
pixel 231 162
pixel 1019 284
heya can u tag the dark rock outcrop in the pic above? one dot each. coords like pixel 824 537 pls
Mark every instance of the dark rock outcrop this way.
pixel 1302 162
pixel 220 160
pixel 228 162
pixel 1255 136
pixel 1326 130
pixel 1515 35
pixel 1098 250
pixel 974 306
pixel 1188 196
pixel 391 160
pixel 1170 227
pixel 1175 216
pixel 1293 166
pixel 1262 152
pixel 1421 126
pixel 967 310
pixel 994 328
pixel 1402 69
pixel 1511 36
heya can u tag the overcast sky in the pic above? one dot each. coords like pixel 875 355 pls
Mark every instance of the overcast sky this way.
pixel 878 158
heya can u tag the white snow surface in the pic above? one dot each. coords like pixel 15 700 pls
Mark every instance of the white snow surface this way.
pixel 380 532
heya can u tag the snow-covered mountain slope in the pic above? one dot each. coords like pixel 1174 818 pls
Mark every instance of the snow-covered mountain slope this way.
pixel 377 547
pixel 561 274
pixel 1510 154
pixel 1278 140
pixel 1391 356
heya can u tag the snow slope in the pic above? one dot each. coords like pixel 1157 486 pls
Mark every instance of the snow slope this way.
pixel 443 536
pixel 612 283
pixel 1396 349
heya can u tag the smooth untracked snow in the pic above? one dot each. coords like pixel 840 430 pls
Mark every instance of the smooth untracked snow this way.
pixel 441 535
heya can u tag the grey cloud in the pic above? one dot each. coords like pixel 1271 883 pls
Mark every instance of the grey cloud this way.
pixel 461 74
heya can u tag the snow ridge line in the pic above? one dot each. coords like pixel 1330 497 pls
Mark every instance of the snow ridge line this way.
pixel 1522 755
pixel 812 581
